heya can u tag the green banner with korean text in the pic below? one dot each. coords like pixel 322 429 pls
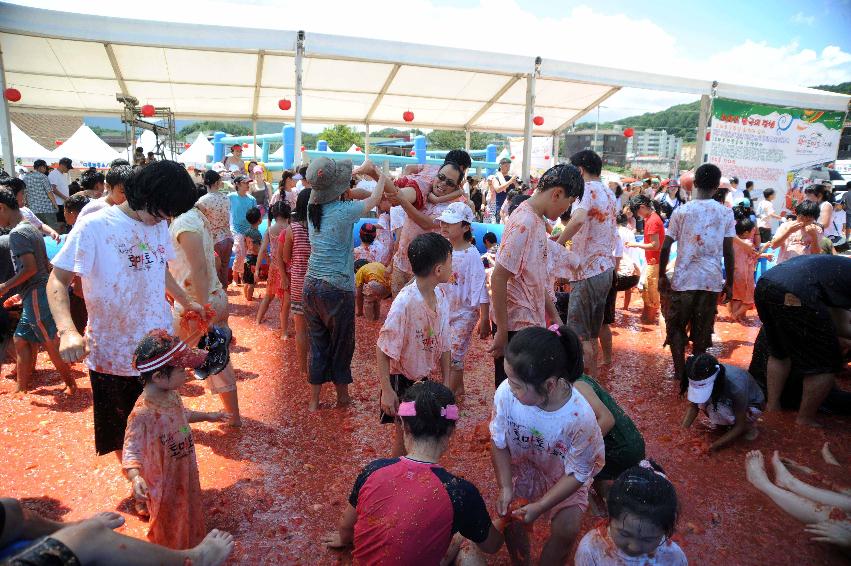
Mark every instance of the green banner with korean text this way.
pixel 773 146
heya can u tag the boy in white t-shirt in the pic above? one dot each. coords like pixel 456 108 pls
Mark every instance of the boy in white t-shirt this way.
pixel 765 215
pixel 704 230
pixel 414 340
pixel 520 283
pixel 121 256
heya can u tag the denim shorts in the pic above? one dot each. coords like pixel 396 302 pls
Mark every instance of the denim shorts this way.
pixel 330 315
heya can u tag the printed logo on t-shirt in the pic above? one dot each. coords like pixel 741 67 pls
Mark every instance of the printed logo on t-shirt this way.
pixel 178 448
pixel 142 256
pixel 428 338
pixel 534 440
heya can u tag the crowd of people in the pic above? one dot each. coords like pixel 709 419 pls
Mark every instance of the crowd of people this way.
pixel 544 294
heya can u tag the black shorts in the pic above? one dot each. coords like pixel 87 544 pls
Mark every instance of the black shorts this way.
pixel 499 363
pixel 79 313
pixel 248 270
pixel 691 317
pixel 45 552
pixel 619 283
pixel 113 397
pixel 797 332
pixel 400 385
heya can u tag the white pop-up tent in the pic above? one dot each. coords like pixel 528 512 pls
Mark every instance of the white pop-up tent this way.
pixel 85 149
pixel 75 63
pixel 198 153
pixel 148 141
pixel 26 148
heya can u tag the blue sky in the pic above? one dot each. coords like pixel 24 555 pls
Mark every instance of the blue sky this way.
pixel 776 44
pixel 714 25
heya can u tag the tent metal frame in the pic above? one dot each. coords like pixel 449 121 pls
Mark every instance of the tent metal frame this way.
pixel 109 32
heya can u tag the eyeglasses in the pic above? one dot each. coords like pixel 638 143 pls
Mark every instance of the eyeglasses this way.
pixel 446 181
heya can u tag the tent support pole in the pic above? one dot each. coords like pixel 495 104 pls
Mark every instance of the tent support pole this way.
pixel 530 110
pixel 556 148
pixel 6 125
pixel 299 57
pixel 702 123
pixel 467 139
pixel 366 140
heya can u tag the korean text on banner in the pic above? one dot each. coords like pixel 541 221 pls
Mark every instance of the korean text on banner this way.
pixel 769 145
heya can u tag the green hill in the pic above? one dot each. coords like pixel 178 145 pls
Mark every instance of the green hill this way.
pixel 681 120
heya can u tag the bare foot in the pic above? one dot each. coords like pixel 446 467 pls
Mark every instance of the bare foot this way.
pixel 782 476
pixel 828 455
pixel 140 507
pixel 235 423
pixel 752 433
pixel 606 362
pixel 313 406
pixel 285 337
pixel 108 518
pixel 755 469
pixel 70 385
pixel 213 550
pixel 796 466
pixel 343 397
pixel 806 421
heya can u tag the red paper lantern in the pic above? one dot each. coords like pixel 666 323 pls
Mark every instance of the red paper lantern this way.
pixel 12 94
pixel 303 148
pixel 546 158
pixel 58 143
pixel 408 116
pixel 285 104
pixel 357 148
pixel 187 145
pixel 629 132
pixel 512 158
pixel 538 120
pixel 148 110
pixel 707 136
pixel 413 153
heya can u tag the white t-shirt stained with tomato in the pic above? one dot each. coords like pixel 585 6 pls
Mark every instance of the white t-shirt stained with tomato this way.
pixel 414 337
pixel 524 252
pixel 122 263
pixel 699 228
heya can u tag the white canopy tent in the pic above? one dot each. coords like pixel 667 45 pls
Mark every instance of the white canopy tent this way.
pixel 73 63
pixel 198 152
pixel 148 141
pixel 26 148
pixel 85 149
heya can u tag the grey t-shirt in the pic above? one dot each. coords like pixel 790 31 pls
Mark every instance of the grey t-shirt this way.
pixel 7 270
pixel 741 390
pixel 26 239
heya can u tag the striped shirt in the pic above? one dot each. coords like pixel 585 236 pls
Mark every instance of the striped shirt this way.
pixel 298 261
pixel 38 193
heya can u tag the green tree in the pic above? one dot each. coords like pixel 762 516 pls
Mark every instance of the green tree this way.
pixel 455 139
pixel 232 128
pixel 340 137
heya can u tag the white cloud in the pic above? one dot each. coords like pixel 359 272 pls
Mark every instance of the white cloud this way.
pixel 800 18
pixel 580 33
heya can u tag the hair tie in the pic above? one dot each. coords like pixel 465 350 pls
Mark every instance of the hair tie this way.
pixel 554 328
pixel 648 466
pixel 449 412
pixel 409 409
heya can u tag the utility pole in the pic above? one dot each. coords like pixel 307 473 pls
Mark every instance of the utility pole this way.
pixel 596 127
